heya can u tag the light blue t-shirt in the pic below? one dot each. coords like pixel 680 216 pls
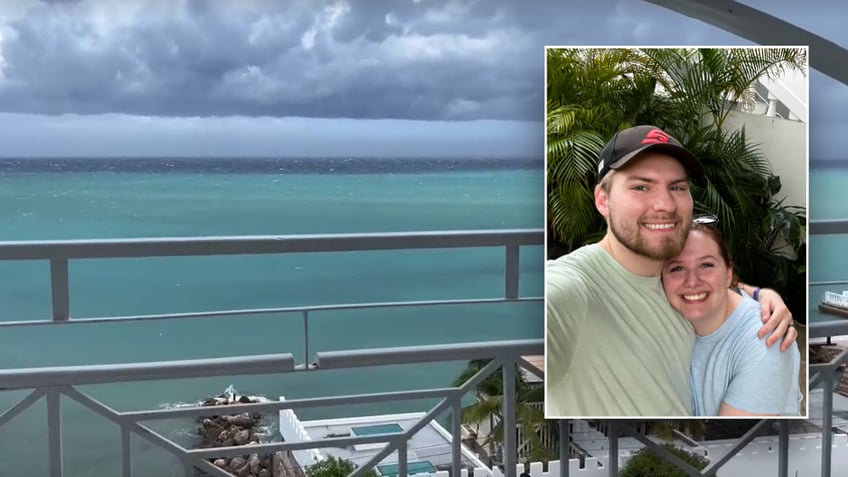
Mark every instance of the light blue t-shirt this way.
pixel 735 366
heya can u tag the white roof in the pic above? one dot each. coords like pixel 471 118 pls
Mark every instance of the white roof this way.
pixel 432 443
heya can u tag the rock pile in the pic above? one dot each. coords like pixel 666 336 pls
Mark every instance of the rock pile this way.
pixel 235 430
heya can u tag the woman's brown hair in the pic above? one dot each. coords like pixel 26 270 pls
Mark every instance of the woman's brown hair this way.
pixel 714 233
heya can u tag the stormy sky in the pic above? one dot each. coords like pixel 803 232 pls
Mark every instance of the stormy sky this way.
pixel 325 78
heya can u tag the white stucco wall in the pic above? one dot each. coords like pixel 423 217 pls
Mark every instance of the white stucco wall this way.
pixel 784 144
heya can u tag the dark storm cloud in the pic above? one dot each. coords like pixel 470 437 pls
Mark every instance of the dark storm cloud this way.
pixel 427 59
pixel 368 20
pixel 431 59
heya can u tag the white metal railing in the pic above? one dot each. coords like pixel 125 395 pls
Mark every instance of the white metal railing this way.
pixel 58 382
pixel 59 253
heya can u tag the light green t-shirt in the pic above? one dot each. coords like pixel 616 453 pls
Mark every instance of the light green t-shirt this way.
pixel 614 346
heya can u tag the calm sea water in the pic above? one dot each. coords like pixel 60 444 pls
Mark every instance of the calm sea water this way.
pixel 827 258
pixel 108 199
pixel 828 200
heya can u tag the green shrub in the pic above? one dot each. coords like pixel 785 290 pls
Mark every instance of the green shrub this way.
pixel 645 463
pixel 334 467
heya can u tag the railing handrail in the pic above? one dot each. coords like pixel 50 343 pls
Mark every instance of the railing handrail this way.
pixel 231 312
pixel 428 353
pixel 830 226
pixel 264 244
pixel 61 252
pixel 23 378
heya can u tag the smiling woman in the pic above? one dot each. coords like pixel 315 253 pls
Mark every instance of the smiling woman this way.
pixel 732 373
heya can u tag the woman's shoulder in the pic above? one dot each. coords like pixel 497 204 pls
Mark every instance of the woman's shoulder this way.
pixel 746 323
pixel 746 316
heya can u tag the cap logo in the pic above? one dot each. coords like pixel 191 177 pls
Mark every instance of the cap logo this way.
pixel 655 136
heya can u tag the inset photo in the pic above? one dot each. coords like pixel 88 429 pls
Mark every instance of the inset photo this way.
pixel 675 282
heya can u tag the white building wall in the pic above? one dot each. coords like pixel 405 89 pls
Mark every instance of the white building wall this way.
pixel 293 431
pixel 784 144
pixel 792 90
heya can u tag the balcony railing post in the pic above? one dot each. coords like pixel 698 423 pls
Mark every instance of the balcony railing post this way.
pixel 456 433
pixel 126 451
pixel 403 470
pixel 511 271
pixel 54 432
pixel 827 422
pixel 510 452
pixel 612 430
pixel 563 448
pixel 59 289
pixel 783 450
pixel 306 339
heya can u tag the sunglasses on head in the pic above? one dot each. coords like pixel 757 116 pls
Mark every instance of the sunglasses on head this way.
pixel 704 219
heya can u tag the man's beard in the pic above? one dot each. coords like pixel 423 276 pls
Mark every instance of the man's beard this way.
pixel 629 236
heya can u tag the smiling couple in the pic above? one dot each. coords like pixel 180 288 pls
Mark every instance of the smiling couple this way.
pixel 650 321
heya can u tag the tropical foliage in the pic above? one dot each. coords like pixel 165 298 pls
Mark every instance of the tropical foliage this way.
pixel 694 428
pixel 334 467
pixel 645 463
pixel 593 93
pixel 488 408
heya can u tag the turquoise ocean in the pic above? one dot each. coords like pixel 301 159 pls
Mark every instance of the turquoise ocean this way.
pixel 827 258
pixel 127 198
pixel 828 261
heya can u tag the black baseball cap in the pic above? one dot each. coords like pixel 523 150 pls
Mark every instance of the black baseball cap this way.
pixel 629 143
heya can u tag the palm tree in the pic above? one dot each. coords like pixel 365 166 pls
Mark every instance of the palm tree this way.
pixel 703 85
pixel 488 408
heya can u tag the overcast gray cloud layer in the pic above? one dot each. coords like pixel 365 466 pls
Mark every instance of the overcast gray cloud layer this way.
pixel 430 59
pixel 414 61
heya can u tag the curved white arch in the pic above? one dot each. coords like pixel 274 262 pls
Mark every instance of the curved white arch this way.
pixel 825 56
